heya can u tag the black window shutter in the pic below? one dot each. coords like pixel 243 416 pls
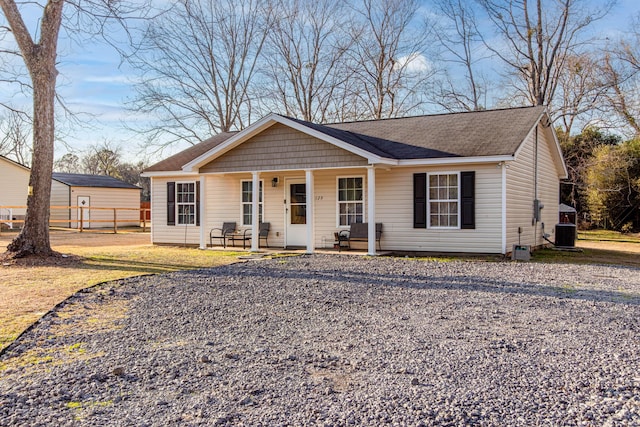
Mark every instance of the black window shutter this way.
pixel 467 199
pixel 197 202
pixel 171 203
pixel 419 200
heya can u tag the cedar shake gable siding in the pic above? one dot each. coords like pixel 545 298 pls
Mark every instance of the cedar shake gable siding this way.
pixel 281 148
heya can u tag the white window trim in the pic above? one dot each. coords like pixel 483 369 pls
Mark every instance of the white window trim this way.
pixel 242 224
pixel 439 227
pixel 364 199
pixel 195 205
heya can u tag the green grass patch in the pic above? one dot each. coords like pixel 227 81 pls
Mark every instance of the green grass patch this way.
pixel 587 256
pixel 608 236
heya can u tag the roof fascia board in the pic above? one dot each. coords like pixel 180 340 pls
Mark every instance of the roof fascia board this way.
pixel 267 122
pixel 455 160
pixel 168 173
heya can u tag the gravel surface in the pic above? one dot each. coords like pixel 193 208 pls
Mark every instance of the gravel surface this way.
pixel 337 340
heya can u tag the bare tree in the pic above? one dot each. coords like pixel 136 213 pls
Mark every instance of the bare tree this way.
pixel 69 163
pixel 388 59
pixel 40 60
pixel 305 57
pixel 196 65
pixel 40 57
pixel 619 69
pixel 460 40
pixel 580 91
pixel 16 137
pixel 537 38
pixel 102 159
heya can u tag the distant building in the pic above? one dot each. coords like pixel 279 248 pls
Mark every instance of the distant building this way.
pixel 93 191
pixel 15 187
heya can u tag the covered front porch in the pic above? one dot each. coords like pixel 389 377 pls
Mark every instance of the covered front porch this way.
pixel 305 208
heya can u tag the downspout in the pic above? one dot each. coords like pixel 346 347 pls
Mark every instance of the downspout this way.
pixel 536 202
pixel 504 207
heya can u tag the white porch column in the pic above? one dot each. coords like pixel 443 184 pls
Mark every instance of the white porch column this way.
pixel 371 210
pixel 203 234
pixel 255 212
pixel 310 211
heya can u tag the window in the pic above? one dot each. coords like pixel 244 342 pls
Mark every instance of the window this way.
pixel 443 200
pixel 350 201
pixel 247 200
pixel 186 202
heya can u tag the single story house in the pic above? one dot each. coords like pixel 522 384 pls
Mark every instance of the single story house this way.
pixel 94 198
pixel 14 192
pixel 473 182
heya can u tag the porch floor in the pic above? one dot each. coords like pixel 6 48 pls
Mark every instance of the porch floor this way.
pixel 299 251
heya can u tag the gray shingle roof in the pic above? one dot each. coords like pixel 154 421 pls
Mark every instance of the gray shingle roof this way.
pixel 175 162
pixel 468 134
pixel 83 180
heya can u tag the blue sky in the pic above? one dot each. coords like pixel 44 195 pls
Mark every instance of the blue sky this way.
pixel 92 80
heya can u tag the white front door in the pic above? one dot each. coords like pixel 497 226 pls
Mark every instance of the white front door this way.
pixel 84 202
pixel 296 212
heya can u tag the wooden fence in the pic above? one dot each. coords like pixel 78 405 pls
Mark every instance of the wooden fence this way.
pixel 84 217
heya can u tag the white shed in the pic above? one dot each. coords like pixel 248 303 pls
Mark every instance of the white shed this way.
pixel 95 199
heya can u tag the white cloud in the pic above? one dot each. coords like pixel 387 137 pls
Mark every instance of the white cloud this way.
pixel 415 63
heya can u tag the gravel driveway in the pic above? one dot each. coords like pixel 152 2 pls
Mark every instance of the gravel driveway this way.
pixel 337 340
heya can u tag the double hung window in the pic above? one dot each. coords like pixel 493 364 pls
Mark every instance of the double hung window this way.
pixel 247 201
pixel 444 200
pixel 350 201
pixel 186 203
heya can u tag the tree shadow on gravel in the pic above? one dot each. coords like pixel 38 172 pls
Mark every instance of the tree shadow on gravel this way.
pixel 458 282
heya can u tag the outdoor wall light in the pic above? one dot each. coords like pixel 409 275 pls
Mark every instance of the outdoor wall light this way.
pixel 274 181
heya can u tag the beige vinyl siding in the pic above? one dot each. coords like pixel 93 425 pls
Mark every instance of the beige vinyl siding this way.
pixel 548 186
pixel 282 148
pixel 60 197
pixel 521 189
pixel 394 200
pixel 223 198
pixel 161 233
pixel 15 183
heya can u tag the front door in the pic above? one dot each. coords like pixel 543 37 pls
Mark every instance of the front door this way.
pixel 296 212
pixel 84 203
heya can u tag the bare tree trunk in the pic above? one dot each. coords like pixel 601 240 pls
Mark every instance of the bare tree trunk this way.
pixel 40 59
pixel 34 238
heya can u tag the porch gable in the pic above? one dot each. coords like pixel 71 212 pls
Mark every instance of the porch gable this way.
pixel 281 147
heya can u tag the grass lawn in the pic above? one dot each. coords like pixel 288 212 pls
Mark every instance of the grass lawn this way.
pixel 597 247
pixel 27 292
